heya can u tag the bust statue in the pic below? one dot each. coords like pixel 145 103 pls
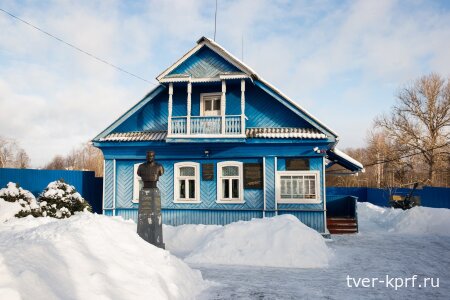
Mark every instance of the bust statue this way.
pixel 150 171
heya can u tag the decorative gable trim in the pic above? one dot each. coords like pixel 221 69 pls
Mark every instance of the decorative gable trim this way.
pixel 214 47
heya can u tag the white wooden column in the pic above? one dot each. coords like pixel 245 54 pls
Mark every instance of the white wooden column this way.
pixel 188 119
pixel 242 106
pixel 169 124
pixel 223 104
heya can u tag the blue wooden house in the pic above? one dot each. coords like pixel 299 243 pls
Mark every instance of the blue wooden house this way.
pixel 233 146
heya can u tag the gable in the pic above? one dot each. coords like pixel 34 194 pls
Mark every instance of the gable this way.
pixel 205 63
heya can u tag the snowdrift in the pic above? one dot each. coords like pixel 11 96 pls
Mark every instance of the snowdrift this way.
pixel 8 210
pixel 281 241
pixel 417 220
pixel 87 257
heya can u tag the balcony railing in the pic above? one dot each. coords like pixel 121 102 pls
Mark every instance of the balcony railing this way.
pixel 206 125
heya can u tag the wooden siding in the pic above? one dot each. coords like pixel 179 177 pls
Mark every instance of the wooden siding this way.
pixel 124 185
pixel 208 192
pixel 204 63
pixel 109 184
pixel 269 183
pixel 261 109
pixel 176 217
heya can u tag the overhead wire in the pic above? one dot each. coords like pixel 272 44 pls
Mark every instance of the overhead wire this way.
pixel 76 47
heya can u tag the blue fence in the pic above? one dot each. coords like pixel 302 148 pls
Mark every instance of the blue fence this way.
pixel 438 197
pixel 89 186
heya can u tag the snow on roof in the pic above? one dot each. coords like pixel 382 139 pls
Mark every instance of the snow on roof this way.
pixel 339 155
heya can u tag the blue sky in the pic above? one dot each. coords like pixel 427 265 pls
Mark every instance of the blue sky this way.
pixel 341 60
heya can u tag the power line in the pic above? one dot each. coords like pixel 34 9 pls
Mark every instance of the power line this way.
pixel 75 47
pixel 393 159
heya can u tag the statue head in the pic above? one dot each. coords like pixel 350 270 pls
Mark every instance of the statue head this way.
pixel 150 156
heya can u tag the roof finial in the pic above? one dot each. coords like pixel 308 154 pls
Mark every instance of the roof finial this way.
pixel 215 22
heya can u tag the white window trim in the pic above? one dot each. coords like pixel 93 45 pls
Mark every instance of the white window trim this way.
pixel 298 173
pixel 220 165
pixel 137 179
pixel 176 182
pixel 202 112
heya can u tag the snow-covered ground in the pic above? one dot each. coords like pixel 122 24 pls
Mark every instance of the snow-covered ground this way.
pixel 394 243
pixel 89 256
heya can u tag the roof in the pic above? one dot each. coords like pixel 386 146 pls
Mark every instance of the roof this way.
pixel 244 72
pixel 337 156
pixel 260 133
pixel 284 133
pixel 135 136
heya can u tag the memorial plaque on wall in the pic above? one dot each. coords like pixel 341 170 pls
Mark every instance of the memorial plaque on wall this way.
pixel 208 172
pixel 253 176
pixel 297 164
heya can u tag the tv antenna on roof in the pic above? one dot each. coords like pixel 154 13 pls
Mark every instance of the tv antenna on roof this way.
pixel 215 22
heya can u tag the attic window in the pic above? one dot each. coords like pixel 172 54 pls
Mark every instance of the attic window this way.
pixel 210 104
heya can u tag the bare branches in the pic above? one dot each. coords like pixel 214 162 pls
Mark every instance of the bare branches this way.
pixel 421 119
pixel 12 155
pixel 85 157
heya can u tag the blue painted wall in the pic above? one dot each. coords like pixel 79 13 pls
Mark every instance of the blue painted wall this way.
pixel 261 109
pixel 208 211
pixel 204 63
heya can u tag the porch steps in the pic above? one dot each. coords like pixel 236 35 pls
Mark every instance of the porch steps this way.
pixel 342 225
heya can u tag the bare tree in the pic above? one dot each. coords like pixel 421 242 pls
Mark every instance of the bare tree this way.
pixel 22 159
pixel 85 157
pixel 57 163
pixel 420 121
pixel 11 155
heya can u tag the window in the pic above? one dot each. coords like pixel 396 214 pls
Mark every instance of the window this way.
pixel 210 104
pixel 186 182
pixel 298 187
pixel 137 184
pixel 229 182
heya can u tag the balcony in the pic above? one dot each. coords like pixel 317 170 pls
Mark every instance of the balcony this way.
pixel 206 126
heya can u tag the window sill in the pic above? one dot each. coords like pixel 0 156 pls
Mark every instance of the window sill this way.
pixel 135 201
pixel 299 201
pixel 187 201
pixel 230 201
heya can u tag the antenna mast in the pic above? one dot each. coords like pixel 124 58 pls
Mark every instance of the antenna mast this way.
pixel 215 22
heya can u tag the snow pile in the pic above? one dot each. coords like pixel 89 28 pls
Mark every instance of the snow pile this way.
pixel 88 256
pixel 8 210
pixel 184 239
pixel 281 241
pixel 417 220
pixel 15 200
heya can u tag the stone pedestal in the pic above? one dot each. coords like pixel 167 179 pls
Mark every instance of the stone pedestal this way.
pixel 149 219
